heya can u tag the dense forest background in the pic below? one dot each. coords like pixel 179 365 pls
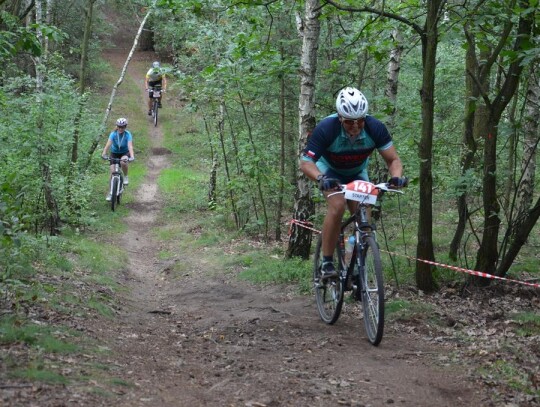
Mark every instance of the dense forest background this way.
pixel 455 81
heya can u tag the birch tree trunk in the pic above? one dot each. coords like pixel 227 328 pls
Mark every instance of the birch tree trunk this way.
pixel 300 238
pixel 392 76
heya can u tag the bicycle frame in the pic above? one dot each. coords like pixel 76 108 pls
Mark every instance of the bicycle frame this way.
pixel 116 183
pixel 362 228
pixel 155 93
pixel 363 273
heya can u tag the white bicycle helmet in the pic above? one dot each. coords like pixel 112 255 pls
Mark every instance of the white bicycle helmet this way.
pixel 351 104
pixel 155 64
pixel 121 122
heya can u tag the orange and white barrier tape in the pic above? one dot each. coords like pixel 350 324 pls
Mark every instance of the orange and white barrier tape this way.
pixel 302 223
pixel 463 270
pixel 308 225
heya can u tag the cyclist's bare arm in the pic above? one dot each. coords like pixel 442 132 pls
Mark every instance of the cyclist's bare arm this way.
pixel 310 170
pixel 393 162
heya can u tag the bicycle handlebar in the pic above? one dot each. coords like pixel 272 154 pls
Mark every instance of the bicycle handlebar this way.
pixel 386 187
pixel 363 191
pixel 113 160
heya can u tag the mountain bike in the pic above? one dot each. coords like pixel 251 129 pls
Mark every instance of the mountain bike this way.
pixel 155 94
pixel 116 188
pixel 362 273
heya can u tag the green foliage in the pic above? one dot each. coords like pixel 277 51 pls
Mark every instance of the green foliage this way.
pixel 14 330
pixel 406 310
pixel 41 374
pixel 17 39
pixel 261 267
pixel 529 324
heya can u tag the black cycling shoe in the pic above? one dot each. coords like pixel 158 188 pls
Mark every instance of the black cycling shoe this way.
pixel 328 271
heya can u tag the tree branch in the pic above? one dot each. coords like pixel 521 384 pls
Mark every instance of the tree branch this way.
pixel 381 13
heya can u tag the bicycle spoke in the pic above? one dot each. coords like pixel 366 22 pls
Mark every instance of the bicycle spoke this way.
pixel 372 291
pixel 329 294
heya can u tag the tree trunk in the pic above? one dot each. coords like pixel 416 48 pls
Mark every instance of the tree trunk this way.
pixel 52 217
pixel 488 252
pixel 282 155
pixel 300 238
pixel 530 145
pixel 392 76
pixel 525 218
pixel 469 146
pixel 424 272
pixel 221 132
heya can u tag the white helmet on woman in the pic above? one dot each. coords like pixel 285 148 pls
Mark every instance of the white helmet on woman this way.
pixel 351 104
pixel 121 122
pixel 155 64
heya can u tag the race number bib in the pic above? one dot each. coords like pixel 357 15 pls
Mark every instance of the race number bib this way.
pixel 361 191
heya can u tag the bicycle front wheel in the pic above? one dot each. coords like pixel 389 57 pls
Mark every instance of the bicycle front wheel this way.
pixel 114 191
pixel 119 193
pixel 372 290
pixel 329 293
pixel 156 109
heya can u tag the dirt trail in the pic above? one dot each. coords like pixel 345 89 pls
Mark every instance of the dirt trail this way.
pixel 209 340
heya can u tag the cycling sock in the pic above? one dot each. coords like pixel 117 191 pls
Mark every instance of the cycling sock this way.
pixel 328 259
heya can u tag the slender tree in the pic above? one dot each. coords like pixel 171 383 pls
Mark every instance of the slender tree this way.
pixel 309 29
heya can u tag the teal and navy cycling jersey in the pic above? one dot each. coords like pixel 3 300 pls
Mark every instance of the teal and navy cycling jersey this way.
pixel 333 151
pixel 120 142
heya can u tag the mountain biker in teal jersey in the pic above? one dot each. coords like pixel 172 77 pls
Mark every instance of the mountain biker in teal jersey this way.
pixel 154 77
pixel 121 144
pixel 337 152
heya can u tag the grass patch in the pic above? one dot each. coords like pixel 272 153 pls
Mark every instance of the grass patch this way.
pixel 529 323
pixel 259 267
pixel 512 376
pixel 407 310
pixel 183 189
pixel 45 337
pixel 39 374
pixel 120 382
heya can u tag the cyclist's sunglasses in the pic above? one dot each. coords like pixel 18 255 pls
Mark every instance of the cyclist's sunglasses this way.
pixel 350 122
pixel 121 127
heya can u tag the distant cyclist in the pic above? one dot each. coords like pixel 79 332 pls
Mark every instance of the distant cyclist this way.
pixel 121 144
pixel 337 152
pixel 154 77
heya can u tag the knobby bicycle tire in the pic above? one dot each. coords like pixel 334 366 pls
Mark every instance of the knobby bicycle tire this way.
pixel 155 111
pixel 119 193
pixel 114 191
pixel 328 294
pixel 372 290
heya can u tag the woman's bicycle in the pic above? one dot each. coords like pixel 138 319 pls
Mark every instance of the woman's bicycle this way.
pixel 362 273
pixel 116 188
pixel 155 94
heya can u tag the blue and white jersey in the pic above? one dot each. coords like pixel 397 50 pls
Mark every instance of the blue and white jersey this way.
pixel 120 142
pixel 330 147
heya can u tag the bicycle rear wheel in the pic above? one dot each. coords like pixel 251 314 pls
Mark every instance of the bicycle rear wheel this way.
pixel 114 192
pixel 155 111
pixel 372 289
pixel 329 293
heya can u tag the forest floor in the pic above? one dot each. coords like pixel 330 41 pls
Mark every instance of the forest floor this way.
pixel 209 339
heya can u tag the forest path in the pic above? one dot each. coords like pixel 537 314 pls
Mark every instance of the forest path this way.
pixel 208 339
